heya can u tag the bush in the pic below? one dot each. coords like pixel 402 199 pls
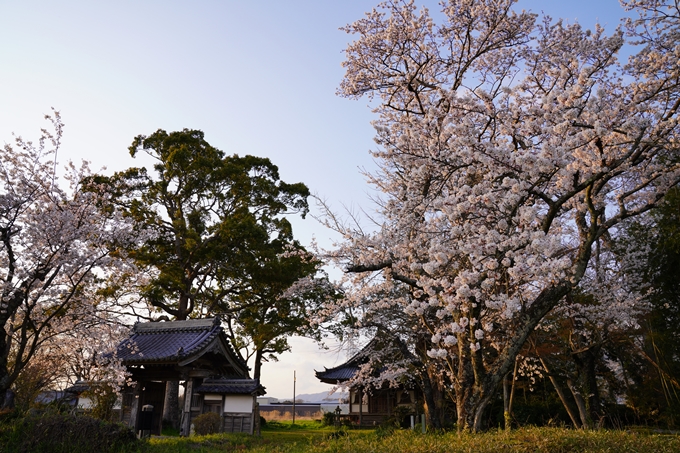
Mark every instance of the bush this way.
pixel 328 419
pixel 104 396
pixel 208 423
pixel 63 433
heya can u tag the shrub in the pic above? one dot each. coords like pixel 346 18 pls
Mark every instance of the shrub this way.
pixel 208 423
pixel 63 433
pixel 328 419
pixel 104 397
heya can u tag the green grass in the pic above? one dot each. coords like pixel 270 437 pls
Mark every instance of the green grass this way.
pixel 310 437
pixel 277 436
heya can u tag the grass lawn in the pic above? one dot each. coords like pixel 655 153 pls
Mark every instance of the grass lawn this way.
pixel 277 436
pixel 311 437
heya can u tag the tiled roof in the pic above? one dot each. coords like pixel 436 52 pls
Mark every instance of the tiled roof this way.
pixel 50 396
pixel 231 386
pixel 78 387
pixel 347 370
pixel 337 374
pixel 155 342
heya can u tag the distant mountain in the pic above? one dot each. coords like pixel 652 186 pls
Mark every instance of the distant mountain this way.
pixel 321 397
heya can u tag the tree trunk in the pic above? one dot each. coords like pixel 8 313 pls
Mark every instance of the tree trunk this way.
pixel 471 408
pixel 257 366
pixel 432 402
pixel 508 397
pixel 581 404
pixel 6 394
pixel 585 361
pixel 507 403
pixel 171 409
pixel 171 412
pixel 561 394
pixel 479 413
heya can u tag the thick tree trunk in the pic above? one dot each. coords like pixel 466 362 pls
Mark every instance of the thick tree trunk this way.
pixel 7 400
pixel 586 363
pixel 479 413
pixel 471 409
pixel 257 366
pixel 171 412
pixel 6 395
pixel 433 402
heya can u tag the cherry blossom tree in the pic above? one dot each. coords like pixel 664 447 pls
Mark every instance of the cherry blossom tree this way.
pixel 508 149
pixel 54 253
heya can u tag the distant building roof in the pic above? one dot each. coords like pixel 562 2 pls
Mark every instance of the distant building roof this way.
pixel 78 388
pixel 347 370
pixel 176 342
pixel 231 387
pixel 51 396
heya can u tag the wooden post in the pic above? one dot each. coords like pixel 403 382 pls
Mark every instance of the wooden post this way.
pixel 361 406
pixel 255 425
pixel 186 415
pixel 134 410
pixel 389 403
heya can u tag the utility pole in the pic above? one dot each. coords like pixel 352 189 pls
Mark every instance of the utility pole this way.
pixel 294 380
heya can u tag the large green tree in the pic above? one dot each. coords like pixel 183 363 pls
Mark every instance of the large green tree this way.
pixel 287 287
pixel 207 223
pixel 207 219
pixel 653 361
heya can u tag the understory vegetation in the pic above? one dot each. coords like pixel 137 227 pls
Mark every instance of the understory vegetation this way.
pixel 310 437
pixel 56 433
pixel 523 273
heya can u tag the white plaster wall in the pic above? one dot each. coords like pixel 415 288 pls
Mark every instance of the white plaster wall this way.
pixel 85 403
pixel 238 403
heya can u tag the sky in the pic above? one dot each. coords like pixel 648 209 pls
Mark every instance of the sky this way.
pixel 257 77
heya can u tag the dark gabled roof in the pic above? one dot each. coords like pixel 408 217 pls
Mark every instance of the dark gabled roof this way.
pixel 78 388
pixel 231 387
pixel 174 342
pixel 60 396
pixel 347 370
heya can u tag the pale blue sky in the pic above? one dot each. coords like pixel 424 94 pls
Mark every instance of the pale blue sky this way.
pixel 258 77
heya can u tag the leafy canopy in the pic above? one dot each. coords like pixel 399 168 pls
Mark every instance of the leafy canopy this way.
pixel 206 218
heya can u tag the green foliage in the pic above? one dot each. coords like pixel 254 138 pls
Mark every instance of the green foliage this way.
pixel 216 238
pixel 328 419
pixel 168 430
pixel 206 217
pixel 653 362
pixel 400 416
pixel 61 433
pixel 208 423
pixel 34 378
pixel 104 397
